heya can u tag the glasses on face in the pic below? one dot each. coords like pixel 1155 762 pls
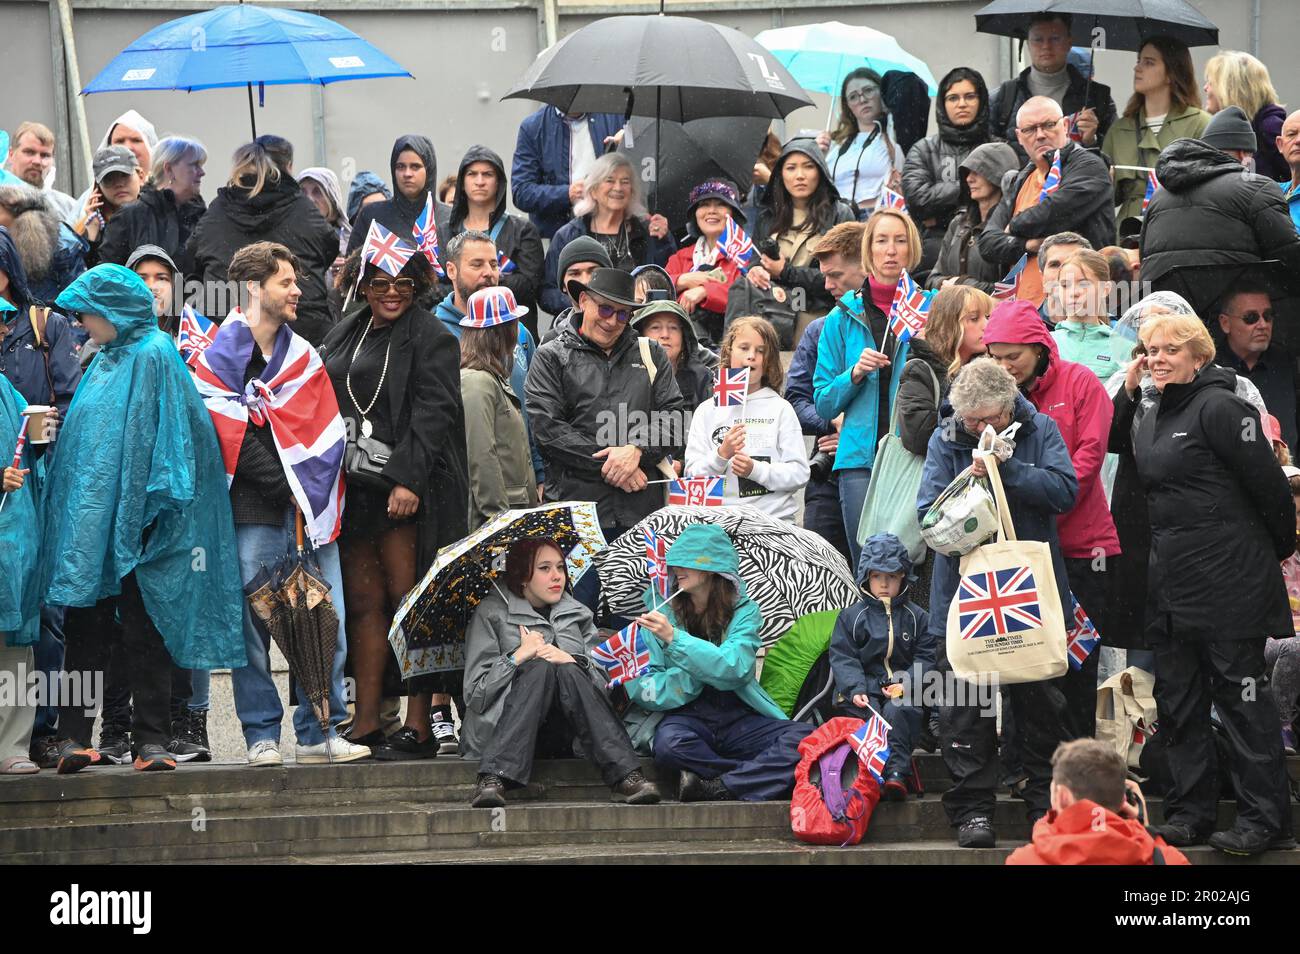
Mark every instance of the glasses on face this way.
pixel 1250 317
pixel 975 423
pixel 862 95
pixel 1038 127
pixel 403 286
pixel 613 311
pixel 953 99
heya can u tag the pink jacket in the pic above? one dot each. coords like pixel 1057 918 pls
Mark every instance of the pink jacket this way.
pixel 1072 396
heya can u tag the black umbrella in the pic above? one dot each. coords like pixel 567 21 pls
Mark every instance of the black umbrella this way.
pixel 1207 286
pixel 692 152
pixel 1126 24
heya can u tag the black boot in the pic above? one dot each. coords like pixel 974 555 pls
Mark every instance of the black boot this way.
pixel 693 788
pixel 1250 841
pixel 183 747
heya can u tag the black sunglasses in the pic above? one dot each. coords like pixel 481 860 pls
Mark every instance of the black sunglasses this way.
pixel 1250 317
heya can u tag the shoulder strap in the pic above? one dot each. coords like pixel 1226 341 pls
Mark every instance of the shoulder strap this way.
pixel 893 414
pixel 40 318
pixel 647 358
pixel 1007 529
pixel 831 766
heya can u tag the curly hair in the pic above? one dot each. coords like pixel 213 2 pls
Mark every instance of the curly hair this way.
pixel 983 383
pixel 773 373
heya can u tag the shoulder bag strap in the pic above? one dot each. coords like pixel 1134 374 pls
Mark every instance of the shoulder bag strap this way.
pixel 647 359
pixel 1006 529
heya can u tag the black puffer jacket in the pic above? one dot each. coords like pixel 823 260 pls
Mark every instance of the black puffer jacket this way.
pixel 282 213
pixel 1210 211
pixel 152 219
pixel 931 177
pixel 1085 203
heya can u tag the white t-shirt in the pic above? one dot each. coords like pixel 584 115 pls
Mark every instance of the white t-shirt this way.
pixel 1154 123
pixel 581 152
pixel 871 164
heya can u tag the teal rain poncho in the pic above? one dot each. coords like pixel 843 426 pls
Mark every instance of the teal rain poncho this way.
pixel 137 484
pixel 20 532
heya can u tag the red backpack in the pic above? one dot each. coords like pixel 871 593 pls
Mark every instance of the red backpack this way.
pixel 833 796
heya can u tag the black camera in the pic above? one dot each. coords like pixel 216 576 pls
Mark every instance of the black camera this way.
pixel 769 248
pixel 820 465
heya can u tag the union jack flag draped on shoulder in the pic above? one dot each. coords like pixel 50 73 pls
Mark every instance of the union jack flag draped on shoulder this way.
pixel 294 397
pixel 425 232
pixel 1053 180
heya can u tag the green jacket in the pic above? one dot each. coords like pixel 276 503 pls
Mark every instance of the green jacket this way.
pixel 1096 347
pixel 501 475
pixel 1125 147
pixel 679 671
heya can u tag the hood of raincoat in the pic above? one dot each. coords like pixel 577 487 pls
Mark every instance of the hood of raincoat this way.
pixel 690 341
pixel 141 485
pixel 1186 163
pixel 1074 837
pixel 12 266
pixel 132 120
pixel 364 184
pixel 1018 322
pixel 260 214
pixel 993 160
pixel 460 205
pixel 20 534
pixel 706 547
pixel 154 251
pixel 885 553
pixel 810 149
pixel 329 182
pixel 422 147
pixel 978 131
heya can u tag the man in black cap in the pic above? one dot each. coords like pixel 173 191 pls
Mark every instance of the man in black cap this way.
pixel 605 406
pixel 578 261
pixel 1210 209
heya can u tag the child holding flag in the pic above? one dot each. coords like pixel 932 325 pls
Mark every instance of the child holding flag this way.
pixel 530 687
pixel 750 435
pixel 698 704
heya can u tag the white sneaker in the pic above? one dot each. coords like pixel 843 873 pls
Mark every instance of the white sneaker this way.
pixel 266 752
pixel 340 750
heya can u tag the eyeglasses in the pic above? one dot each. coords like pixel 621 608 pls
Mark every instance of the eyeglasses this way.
pixel 962 98
pixel 1039 127
pixel 974 423
pixel 861 95
pixel 610 311
pixel 403 286
pixel 1250 317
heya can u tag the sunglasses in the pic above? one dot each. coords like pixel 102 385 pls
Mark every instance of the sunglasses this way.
pixel 403 286
pixel 1250 317
pixel 612 311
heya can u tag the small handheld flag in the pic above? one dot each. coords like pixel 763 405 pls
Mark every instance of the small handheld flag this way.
pixel 18 456
pixel 731 387
pixel 623 656
pixel 425 233
pixel 735 244
pixel 194 334
pixel 656 563
pixel 1082 637
pixel 910 309
pixel 1152 184
pixel 385 251
pixel 1009 287
pixel 1053 180
pixel 504 264
pixel 696 492
pixel 1072 127
pixel 871 743
pixel 889 199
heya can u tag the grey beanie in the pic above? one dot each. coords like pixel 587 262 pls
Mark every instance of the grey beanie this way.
pixel 1230 129
pixel 584 248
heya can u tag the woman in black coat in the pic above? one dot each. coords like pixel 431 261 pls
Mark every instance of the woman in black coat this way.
pixel 263 202
pixel 1221 519
pixel 396 372
pixel 168 208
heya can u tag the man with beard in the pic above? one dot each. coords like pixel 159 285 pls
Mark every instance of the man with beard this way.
pixel 31 156
pixel 52 254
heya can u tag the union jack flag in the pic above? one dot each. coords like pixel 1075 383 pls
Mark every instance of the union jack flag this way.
pixel 1053 180
pixel 998 603
pixel 656 562
pixel 736 245
pixel 910 310
pixel 504 262
pixel 1142 732
pixel 1082 638
pixel 384 250
pixel 1152 184
pixel 194 334
pixel 623 656
pixel 871 743
pixel 731 387
pixel 696 492
pixel 1009 287
pixel 1072 127
pixel 425 233
pixel 889 199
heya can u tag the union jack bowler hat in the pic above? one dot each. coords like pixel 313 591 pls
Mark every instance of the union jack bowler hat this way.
pixel 491 306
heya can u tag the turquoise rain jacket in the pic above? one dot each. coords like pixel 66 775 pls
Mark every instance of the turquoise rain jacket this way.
pixel 20 532
pixel 138 485
pixel 678 672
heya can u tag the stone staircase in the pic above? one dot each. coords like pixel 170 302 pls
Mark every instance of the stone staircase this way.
pixel 418 813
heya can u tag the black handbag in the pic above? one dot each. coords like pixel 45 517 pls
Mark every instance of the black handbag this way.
pixel 364 459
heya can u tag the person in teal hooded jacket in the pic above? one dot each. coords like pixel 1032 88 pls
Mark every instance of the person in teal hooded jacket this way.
pixel 715 724
pixel 141 524
pixel 859 360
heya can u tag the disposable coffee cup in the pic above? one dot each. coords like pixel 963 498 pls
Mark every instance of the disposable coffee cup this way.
pixel 37 415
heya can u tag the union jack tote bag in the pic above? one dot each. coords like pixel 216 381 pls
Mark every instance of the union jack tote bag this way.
pixel 1005 621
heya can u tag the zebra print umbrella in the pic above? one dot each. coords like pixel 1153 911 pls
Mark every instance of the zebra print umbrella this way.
pixel 788 571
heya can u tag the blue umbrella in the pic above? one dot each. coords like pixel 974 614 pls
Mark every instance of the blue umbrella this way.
pixel 239 45
pixel 819 55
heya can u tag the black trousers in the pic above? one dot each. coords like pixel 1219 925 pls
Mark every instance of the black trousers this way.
pixel 969 742
pixel 1231 676
pixel 1091 585
pixel 92 636
pixel 549 694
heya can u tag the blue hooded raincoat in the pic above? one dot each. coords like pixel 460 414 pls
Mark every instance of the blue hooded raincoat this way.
pixel 19 532
pixel 138 485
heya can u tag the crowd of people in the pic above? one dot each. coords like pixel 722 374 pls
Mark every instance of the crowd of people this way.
pixel 386 407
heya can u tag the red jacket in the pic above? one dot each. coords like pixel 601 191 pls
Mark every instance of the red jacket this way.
pixel 1087 834
pixel 715 299
pixel 1076 400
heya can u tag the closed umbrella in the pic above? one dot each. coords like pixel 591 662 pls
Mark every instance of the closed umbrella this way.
pixel 242 45
pixel 789 571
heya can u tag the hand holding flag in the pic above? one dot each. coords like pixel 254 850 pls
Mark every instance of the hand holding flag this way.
pixel 624 656
pixel 735 244
pixel 910 309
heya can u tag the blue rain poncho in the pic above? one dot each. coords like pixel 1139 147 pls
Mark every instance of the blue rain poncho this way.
pixel 20 532
pixel 137 484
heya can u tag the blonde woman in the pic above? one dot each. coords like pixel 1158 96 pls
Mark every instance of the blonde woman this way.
pixel 1238 79
pixel 168 208
pixel 262 202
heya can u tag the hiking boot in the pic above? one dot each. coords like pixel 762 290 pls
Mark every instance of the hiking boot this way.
pixel 693 788
pixel 44 752
pixel 1245 842
pixel 114 745
pixel 636 789
pixel 976 832
pixel 73 757
pixel 444 730
pixel 154 758
pixel 490 793
pixel 1179 835
pixel 895 788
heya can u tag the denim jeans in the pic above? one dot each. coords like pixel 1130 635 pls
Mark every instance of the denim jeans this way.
pixel 200 683
pixel 257 701
pixel 853 491
pixel 49 660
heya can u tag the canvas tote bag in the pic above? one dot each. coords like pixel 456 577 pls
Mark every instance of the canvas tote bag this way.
pixel 1005 620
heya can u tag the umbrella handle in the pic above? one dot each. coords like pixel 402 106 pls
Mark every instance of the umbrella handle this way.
pixel 297 526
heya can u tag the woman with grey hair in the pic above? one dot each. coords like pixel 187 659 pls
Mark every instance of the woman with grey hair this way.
pixel 1040 484
pixel 169 207
pixel 610 211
